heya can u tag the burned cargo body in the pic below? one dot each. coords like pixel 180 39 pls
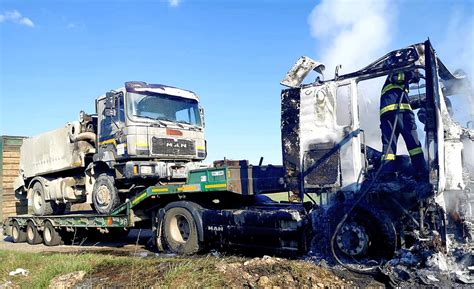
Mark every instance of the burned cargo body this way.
pixel 360 215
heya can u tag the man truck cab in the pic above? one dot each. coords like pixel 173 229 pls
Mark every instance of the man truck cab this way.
pixel 141 134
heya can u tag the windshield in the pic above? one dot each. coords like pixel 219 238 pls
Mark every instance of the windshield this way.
pixel 159 106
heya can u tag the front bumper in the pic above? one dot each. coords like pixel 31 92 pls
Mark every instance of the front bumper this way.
pixel 156 170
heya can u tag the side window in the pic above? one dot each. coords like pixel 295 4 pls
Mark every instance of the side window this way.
pixel 105 124
pixel 120 117
pixel 343 104
pixel 109 124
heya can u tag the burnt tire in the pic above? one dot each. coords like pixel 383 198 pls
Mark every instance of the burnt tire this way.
pixel 18 233
pixel 180 232
pixel 105 195
pixel 379 231
pixel 33 237
pixel 41 207
pixel 51 236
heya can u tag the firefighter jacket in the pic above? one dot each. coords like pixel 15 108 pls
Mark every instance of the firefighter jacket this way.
pixel 396 86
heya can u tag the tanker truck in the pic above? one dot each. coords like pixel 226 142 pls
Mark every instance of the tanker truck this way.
pixel 141 134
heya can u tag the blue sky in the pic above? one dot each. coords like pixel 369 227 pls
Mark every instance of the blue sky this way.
pixel 57 56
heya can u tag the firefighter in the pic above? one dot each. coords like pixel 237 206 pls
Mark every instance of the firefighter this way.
pixel 396 87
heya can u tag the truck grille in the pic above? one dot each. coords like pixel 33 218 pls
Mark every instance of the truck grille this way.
pixel 169 146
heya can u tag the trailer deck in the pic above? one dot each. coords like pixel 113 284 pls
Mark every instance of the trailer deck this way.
pixel 216 207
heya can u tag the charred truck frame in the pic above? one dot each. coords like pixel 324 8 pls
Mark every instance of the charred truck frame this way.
pixel 359 216
pixel 324 152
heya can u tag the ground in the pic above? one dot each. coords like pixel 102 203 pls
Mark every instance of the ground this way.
pixel 130 264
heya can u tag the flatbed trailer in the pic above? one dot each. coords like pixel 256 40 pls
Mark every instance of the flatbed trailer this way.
pixel 220 207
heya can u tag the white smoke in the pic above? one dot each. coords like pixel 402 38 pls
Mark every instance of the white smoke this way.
pixel 354 34
pixel 351 33
pixel 457 51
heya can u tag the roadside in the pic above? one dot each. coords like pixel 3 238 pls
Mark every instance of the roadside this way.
pixel 129 263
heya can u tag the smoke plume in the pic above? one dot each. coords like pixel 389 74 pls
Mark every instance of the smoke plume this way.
pixel 351 33
pixel 354 34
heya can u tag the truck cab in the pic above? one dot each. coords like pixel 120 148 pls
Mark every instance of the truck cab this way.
pixel 150 131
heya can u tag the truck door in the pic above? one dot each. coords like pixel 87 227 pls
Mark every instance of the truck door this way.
pixel 111 115
pixel 433 127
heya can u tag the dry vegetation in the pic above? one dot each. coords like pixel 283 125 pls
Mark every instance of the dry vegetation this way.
pixel 105 270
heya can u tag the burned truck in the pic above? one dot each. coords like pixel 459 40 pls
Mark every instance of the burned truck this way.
pixel 340 205
pixel 141 134
pixel 327 158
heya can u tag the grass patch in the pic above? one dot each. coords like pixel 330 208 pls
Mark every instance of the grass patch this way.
pixel 278 197
pixel 43 267
pixel 110 271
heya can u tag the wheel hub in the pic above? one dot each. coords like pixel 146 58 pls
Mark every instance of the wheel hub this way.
pixel 47 234
pixel 352 239
pixel 37 199
pixel 31 233
pixel 15 233
pixel 103 196
pixel 180 229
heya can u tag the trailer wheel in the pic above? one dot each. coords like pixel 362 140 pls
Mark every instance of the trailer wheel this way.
pixel 105 195
pixel 180 232
pixel 32 235
pixel 18 234
pixel 40 206
pixel 51 236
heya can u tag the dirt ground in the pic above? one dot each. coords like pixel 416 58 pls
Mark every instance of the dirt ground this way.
pixel 207 270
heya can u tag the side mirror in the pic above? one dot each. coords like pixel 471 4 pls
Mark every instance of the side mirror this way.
pixel 201 112
pixel 110 100
pixel 109 112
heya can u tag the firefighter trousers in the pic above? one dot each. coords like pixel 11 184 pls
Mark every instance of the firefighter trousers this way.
pixel 406 126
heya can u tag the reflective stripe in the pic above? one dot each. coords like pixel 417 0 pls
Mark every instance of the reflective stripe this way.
pixel 401 77
pixel 388 157
pixel 215 186
pixel 390 107
pixel 415 151
pixel 391 86
pixel 108 141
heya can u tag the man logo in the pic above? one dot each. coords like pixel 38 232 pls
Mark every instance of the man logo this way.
pixel 176 145
pixel 215 228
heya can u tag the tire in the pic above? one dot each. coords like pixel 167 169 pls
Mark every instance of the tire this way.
pixel 51 236
pixel 180 232
pixel 32 235
pixel 105 195
pixel 18 233
pixel 377 226
pixel 41 207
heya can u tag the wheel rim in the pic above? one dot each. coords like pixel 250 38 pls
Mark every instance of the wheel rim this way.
pixel 37 201
pixel 47 234
pixel 352 239
pixel 103 196
pixel 30 232
pixel 180 228
pixel 15 233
